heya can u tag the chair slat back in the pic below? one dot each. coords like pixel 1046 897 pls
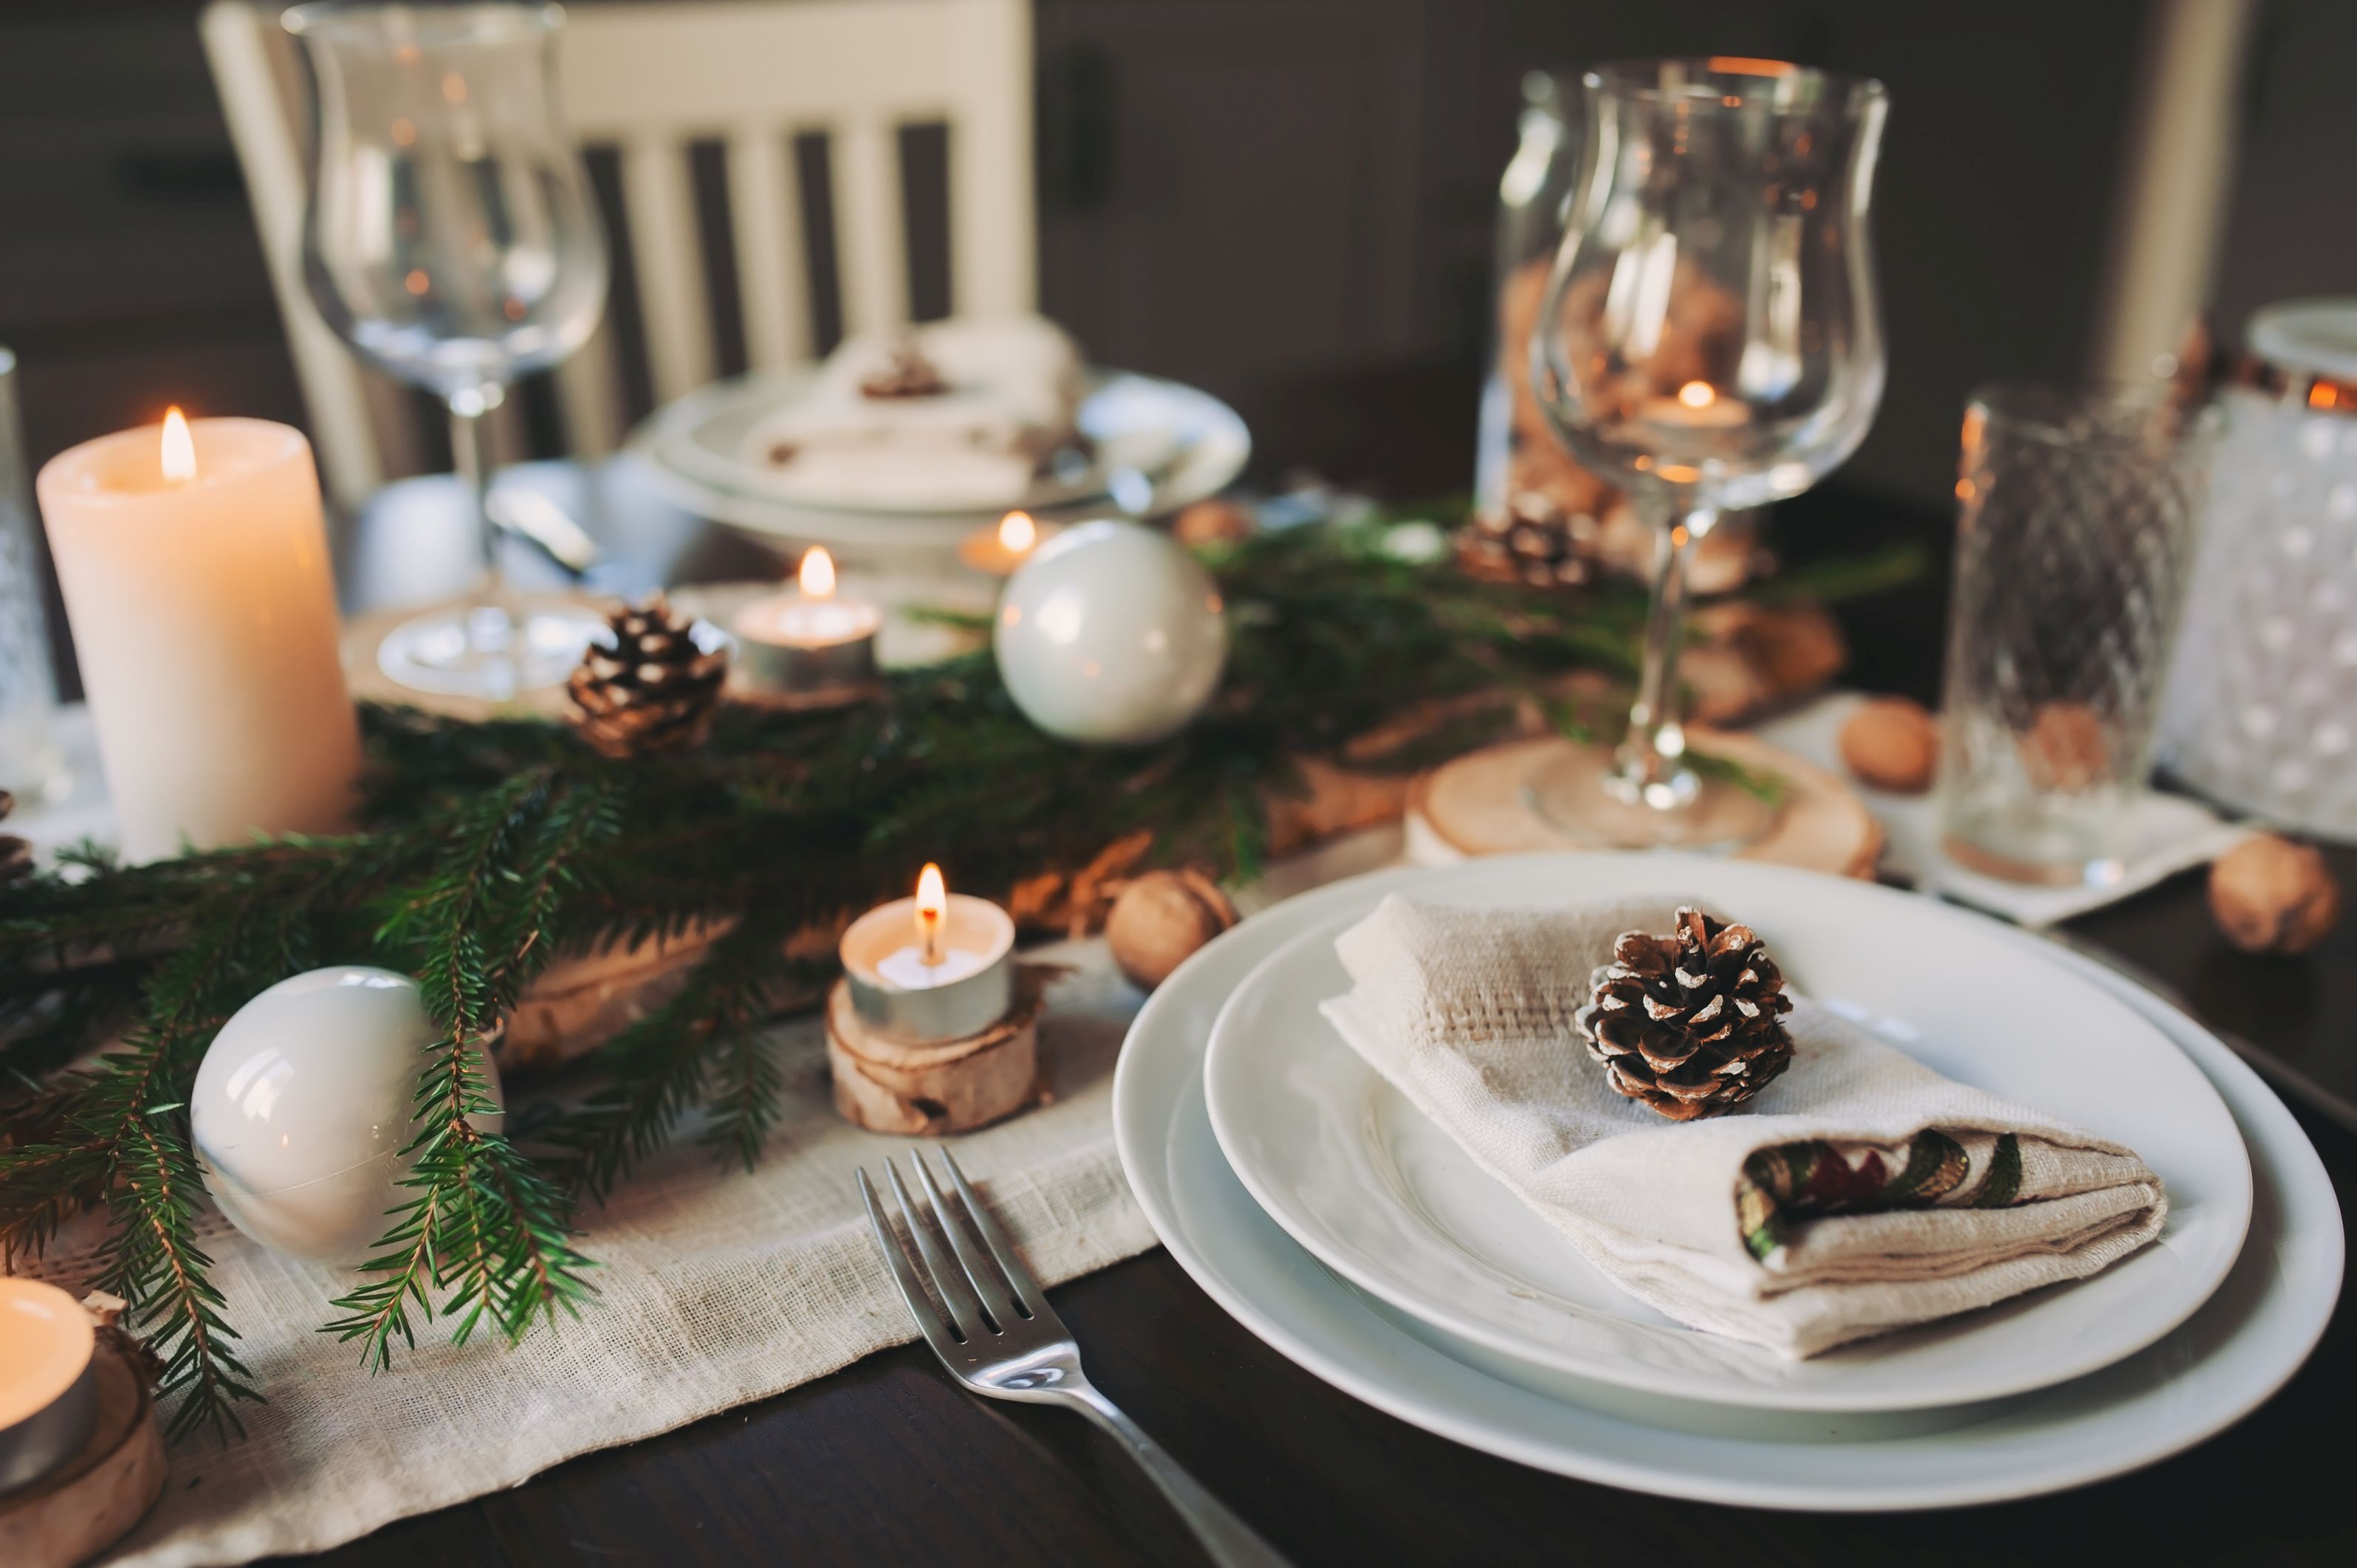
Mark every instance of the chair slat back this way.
pixel 649 81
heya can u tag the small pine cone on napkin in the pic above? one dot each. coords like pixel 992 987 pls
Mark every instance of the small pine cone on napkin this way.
pixel 653 689
pixel 905 372
pixel 1691 1023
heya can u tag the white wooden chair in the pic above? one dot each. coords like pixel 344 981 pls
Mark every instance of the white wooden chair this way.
pixel 647 79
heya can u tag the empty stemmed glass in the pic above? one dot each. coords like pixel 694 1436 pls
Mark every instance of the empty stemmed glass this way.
pixel 452 240
pixel 1710 337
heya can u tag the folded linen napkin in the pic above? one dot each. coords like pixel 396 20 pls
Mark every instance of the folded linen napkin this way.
pixel 1859 1193
pixel 1005 398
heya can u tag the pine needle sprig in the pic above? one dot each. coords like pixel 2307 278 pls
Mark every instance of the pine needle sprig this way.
pixel 659 1068
pixel 486 1235
pixel 126 1140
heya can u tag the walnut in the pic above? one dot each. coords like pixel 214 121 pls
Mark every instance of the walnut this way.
pixel 2270 894
pixel 2064 748
pixel 1892 744
pixel 1162 918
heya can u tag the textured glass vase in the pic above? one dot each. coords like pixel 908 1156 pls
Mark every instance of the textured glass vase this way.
pixel 2262 710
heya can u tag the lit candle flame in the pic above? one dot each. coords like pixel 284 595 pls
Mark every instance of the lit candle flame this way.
pixel 179 449
pixel 816 577
pixel 933 907
pixel 1697 394
pixel 1018 533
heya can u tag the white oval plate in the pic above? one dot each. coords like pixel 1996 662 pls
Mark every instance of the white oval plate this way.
pixel 1354 1173
pixel 1177 446
pixel 2208 1372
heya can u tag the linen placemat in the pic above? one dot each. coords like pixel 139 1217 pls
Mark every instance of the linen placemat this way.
pixel 716 1287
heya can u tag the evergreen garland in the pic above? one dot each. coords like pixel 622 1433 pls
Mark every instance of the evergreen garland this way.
pixel 486 850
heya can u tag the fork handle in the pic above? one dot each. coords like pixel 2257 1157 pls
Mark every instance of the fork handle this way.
pixel 1229 1540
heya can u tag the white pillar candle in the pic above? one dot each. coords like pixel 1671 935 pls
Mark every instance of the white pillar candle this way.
pixel 196 580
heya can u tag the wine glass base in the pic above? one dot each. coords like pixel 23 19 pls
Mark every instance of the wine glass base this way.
pixel 1577 794
pixel 488 652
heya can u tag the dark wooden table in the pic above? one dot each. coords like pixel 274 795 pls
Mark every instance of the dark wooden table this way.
pixel 887 1463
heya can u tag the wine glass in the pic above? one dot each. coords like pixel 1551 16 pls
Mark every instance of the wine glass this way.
pixel 452 240
pixel 1710 338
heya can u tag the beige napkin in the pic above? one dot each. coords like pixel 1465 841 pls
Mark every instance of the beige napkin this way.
pixel 1011 387
pixel 1859 1193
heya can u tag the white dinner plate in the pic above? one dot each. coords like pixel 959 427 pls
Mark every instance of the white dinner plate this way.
pixel 1356 1173
pixel 1156 445
pixel 2202 1377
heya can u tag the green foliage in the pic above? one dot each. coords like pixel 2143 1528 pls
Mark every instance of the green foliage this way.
pixel 486 850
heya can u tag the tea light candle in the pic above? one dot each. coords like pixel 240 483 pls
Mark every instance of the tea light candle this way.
pixel 935 967
pixel 1698 406
pixel 1001 549
pixel 808 644
pixel 193 561
pixel 47 1395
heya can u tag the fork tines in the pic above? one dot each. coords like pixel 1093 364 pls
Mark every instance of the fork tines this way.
pixel 984 1287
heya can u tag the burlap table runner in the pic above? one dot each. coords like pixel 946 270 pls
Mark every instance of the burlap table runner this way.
pixel 716 1287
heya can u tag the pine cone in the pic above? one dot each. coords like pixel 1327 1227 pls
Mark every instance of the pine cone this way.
pixel 653 689
pixel 905 372
pixel 1532 543
pixel 1690 1023
pixel 16 854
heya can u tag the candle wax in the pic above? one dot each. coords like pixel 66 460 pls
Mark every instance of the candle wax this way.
pixel 1723 414
pixel 908 970
pixel 808 623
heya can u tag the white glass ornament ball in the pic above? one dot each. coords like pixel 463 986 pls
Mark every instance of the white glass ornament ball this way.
pixel 1111 634
pixel 302 1106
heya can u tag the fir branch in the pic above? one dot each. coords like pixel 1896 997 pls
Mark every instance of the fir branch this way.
pixel 159 1266
pixel 486 1232
pixel 125 1138
pixel 746 1090
pixel 1844 578
pixel 658 1065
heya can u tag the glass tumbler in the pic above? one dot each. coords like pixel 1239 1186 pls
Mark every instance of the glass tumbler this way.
pixel 2075 532
pixel 30 763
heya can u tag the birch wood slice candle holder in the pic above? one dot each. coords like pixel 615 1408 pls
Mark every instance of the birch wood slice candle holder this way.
pixel 925 1032
pixel 93 1497
pixel 1479 804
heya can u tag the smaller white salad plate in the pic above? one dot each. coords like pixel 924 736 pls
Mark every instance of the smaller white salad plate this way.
pixel 1357 1175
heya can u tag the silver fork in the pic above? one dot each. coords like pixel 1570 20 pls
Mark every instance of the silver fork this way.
pixel 1004 1340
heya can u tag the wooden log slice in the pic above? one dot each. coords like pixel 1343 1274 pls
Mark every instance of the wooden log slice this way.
pixel 1475 805
pixel 927 1090
pixel 81 1508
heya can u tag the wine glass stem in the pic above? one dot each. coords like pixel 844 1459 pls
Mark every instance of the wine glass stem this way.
pixel 1649 766
pixel 475 484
